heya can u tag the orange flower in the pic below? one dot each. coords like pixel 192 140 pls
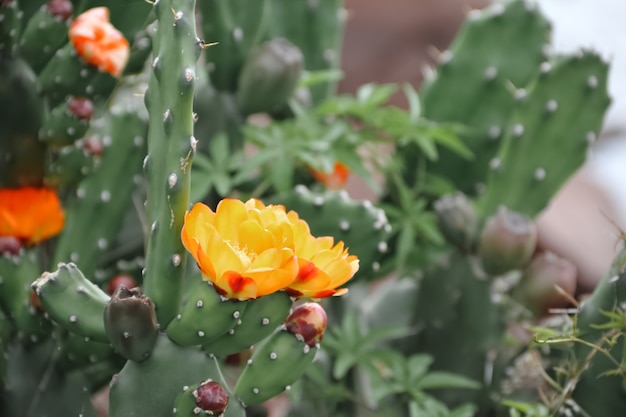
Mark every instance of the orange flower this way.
pixel 98 43
pixel 248 250
pixel 336 179
pixel 240 249
pixel 30 214
pixel 322 265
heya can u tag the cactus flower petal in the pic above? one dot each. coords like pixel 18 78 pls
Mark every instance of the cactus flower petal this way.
pixel 30 214
pixel 98 42
pixel 336 179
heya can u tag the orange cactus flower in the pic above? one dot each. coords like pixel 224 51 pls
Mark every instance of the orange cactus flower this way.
pixel 334 180
pixel 243 257
pixel 30 214
pixel 98 42
pixel 248 250
pixel 323 266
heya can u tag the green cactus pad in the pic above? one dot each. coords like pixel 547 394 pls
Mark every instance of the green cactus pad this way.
pixel 61 127
pixel 106 193
pixel 16 275
pixel 73 301
pixel 362 226
pixel 67 74
pixel 236 26
pixel 169 371
pixel 43 35
pixel 10 23
pixel 276 363
pixel 562 112
pixel 70 165
pixel 204 316
pixel 316 27
pixel 171 147
pixel 260 318
pixel 496 48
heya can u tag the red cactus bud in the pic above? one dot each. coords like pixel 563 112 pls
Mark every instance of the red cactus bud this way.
pixel 60 8
pixel 507 242
pixel 121 280
pixel 211 397
pixel 93 146
pixel 80 107
pixel 537 287
pixel 10 245
pixel 307 320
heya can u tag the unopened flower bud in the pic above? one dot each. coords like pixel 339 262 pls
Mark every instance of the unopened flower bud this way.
pixel 10 245
pixel 269 76
pixel 130 323
pixel 537 289
pixel 308 320
pixel 507 242
pixel 80 107
pixel 457 221
pixel 211 397
pixel 60 8
pixel 121 280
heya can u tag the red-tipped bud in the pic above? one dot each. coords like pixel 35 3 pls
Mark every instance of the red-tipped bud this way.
pixel 60 8
pixel 10 245
pixel 121 280
pixel 93 146
pixel 537 287
pixel 457 221
pixel 308 320
pixel 80 107
pixel 211 397
pixel 35 301
pixel 507 242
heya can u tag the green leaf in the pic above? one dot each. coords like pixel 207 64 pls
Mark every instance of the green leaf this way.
pixel 415 108
pixel 343 363
pixel 373 95
pixel 448 138
pixel 418 366
pixel 311 78
pixel 439 379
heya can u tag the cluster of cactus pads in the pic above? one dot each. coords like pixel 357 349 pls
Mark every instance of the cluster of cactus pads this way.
pixel 113 303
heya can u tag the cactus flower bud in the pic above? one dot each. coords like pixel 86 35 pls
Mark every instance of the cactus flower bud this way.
pixel 308 321
pixel 60 8
pixel 80 107
pixel 457 221
pixel 269 76
pixel 537 287
pixel 130 323
pixel 211 397
pixel 121 280
pixel 507 242
pixel 10 245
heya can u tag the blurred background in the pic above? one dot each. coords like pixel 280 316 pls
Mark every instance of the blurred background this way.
pixel 392 41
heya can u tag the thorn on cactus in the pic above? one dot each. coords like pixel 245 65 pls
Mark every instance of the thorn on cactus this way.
pixel 308 321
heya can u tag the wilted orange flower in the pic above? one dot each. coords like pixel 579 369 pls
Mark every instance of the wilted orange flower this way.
pixel 248 250
pixel 98 42
pixel 336 179
pixel 30 214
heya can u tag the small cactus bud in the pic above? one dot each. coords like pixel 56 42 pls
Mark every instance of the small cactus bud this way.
pixel 507 242
pixel 10 245
pixel 80 107
pixel 308 320
pixel 35 301
pixel 269 76
pixel 93 146
pixel 211 397
pixel 130 323
pixel 121 280
pixel 537 287
pixel 457 221
pixel 60 8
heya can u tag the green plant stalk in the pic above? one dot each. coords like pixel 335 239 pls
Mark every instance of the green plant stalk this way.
pixel 171 146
